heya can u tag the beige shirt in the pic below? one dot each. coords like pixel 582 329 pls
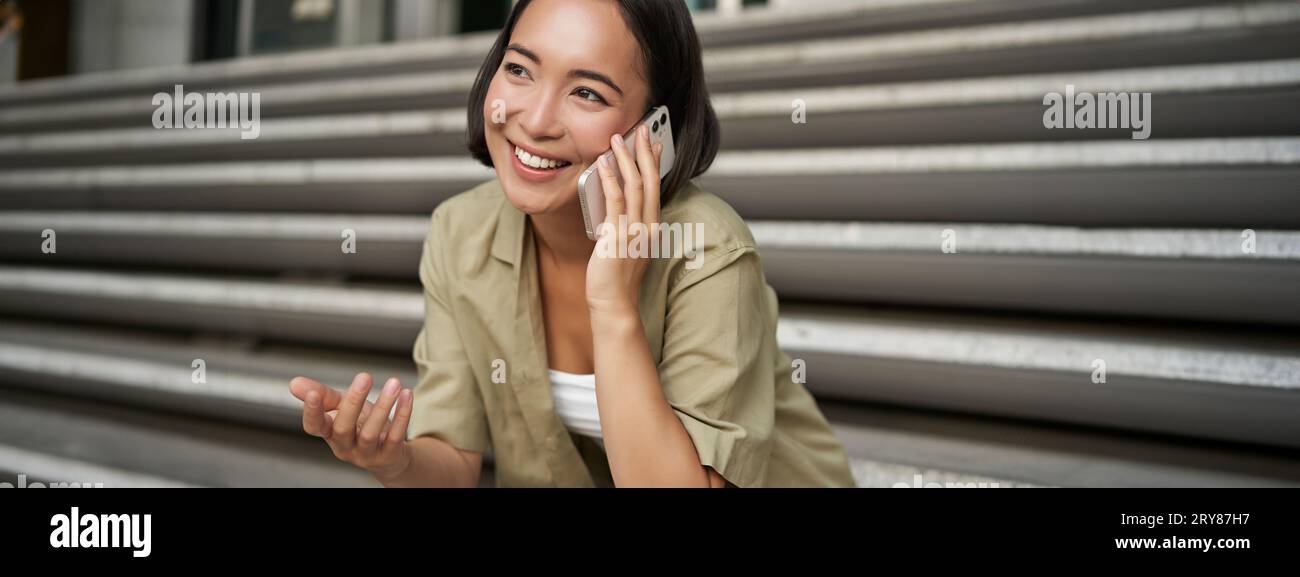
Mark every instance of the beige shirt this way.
pixel 710 322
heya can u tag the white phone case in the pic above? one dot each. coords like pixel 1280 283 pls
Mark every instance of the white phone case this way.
pixel 591 194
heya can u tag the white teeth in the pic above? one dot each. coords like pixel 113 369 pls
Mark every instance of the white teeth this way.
pixel 537 161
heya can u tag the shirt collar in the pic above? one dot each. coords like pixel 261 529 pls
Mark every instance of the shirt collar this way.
pixel 507 241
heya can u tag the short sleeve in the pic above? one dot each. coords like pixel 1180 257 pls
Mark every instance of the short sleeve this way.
pixel 717 364
pixel 447 403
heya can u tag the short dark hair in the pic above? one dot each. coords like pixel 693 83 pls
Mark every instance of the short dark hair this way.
pixel 671 53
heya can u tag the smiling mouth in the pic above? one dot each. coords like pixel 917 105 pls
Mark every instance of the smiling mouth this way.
pixel 538 162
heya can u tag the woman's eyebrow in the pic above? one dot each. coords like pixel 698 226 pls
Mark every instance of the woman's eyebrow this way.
pixel 598 77
pixel 577 73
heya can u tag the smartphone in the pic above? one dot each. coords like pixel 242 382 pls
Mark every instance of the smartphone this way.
pixel 591 194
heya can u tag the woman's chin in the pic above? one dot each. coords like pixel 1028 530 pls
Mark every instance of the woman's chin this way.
pixel 532 198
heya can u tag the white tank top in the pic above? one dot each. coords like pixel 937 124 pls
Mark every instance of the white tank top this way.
pixel 575 401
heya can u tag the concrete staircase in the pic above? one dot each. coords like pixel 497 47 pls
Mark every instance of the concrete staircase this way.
pixel 924 123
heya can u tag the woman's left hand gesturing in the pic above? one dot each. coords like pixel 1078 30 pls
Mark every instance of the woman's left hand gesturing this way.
pixel 614 283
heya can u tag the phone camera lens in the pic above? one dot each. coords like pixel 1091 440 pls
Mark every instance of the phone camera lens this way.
pixel 663 119
pixel 654 127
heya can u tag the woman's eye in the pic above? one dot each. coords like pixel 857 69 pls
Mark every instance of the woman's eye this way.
pixel 516 70
pixel 589 94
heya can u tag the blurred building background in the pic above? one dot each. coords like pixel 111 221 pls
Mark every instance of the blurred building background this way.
pixel 976 298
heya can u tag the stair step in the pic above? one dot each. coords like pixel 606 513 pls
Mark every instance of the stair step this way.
pixel 1183 36
pixel 751 27
pixel 1217 182
pixel 242 383
pixel 27 468
pixel 1201 34
pixel 890 445
pixel 1235 99
pixel 71 439
pixel 1201 274
pixel 1238 385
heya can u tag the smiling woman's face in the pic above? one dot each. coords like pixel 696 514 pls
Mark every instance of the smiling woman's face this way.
pixel 571 77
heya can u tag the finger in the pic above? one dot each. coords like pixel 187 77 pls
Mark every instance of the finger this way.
pixel 649 167
pixel 658 191
pixel 365 414
pixel 374 425
pixel 353 401
pixel 397 429
pixel 654 205
pixel 631 178
pixel 614 200
pixel 313 416
pixel 300 386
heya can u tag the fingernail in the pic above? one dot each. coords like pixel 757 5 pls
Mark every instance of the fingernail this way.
pixel 313 399
pixel 645 131
pixel 618 139
pixel 360 383
pixel 604 161
pixel 390 388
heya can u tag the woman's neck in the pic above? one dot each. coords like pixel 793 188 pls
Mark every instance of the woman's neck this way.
pixel 561 235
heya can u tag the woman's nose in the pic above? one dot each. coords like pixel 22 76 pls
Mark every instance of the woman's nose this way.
pixel 540 118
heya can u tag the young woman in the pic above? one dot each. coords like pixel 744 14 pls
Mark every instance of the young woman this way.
pixel 571 366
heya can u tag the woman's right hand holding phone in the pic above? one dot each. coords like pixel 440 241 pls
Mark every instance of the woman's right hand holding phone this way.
pixel 358 431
